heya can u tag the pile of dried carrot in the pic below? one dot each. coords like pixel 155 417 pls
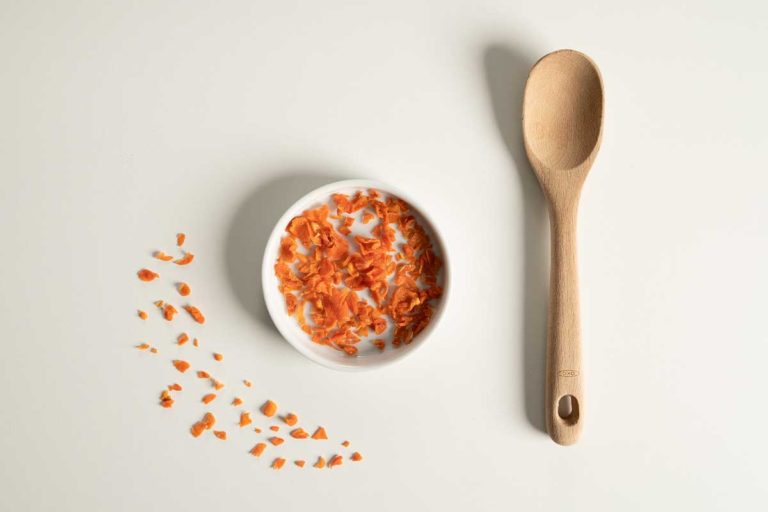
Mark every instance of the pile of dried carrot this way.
pixel 323 268
pixel 269 409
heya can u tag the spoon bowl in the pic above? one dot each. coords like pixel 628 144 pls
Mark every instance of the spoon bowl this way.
pixel 562 131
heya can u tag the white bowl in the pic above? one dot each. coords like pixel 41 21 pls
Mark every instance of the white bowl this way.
pixel 368 356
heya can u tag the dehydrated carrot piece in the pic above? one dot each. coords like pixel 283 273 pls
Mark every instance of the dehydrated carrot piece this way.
pixel 217 385
pixel 160 255
pixel 183 289
pixel 320 434
pixel 174 387
pixel 210 397
pixel 153 350
pixel 299 463
pixel 290 419
pixel 197 429
pixel 218 356
pixel 143 346
pixel 209 420
pixel 169 311
pixel 257 430
pixel 201 374
pixel 276 441
pixel 165 399
pixel 182 338
pixel 278 463
pixel 320 463
pixel 336 460
pixel 180 238
pixel 299 433
pixel 186 259
pixel 180 365
pixel 379 344
pixel 274 428
pixel 220 434
pixel 245 419
pixel 195 314
pixel 159 303
pixel 195 342
pixel 237 401
pixel 247 383
pixel 142 314
pixel 356 457
pixel 367 217
pixel 269 408
pixel 147 275
pixel 257 450
pixel 345 443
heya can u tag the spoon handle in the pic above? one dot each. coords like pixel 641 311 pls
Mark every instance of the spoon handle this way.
pixel 564 387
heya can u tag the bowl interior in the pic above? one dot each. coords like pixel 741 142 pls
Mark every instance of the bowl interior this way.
pixel 368 356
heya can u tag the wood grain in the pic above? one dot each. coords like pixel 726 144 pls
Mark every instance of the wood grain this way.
pixel 562 131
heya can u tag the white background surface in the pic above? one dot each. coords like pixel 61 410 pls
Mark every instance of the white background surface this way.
pixel 124 122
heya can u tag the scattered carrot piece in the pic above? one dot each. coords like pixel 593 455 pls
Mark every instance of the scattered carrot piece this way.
pixel 276 441
pixel 165 399
pixel 209 420
pixel 174 387
pixel 169 311
pixel 320 463
pixel 218 356
pixel 180 238
pixel 201 374
pixel 320 434
pixel 278 463
pixel 299 463
pixel 195 342
pixel 356 457
pixel 210 397
pixel 345 443
pixel 269 408
pixel 195 313
pixel 180 365
pixel 367 217
pixel 379 344
pixel 299 433
pixel 237 401
pixel 159 303
pixel 274 428
pixel 186 259
pixel 197 429
pixel 143 346
pixel 245 419
pixel 217 385
pixel 257 450
pixel 153 350
pixel 183 289
pixel 142 315
pixel 147 275
pixel 290 419
pixel 220 434
pixel 336 460
pixel 182 339
pixel 160 255
pixel 247 383
pixel 257 430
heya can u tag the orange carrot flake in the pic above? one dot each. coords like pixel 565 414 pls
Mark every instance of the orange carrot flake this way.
pixel 186 259
pixel 320 463
pixel 180 365
pixel 299 433
pixel 276 441
pixel 278 463
pixel 218 356
pixel 220 434
pixel 159 303
pixel 257 430
pixel 290 419
pixel 153 350
pixel 299 463
pixel 217 385
pixel 195 342
pixel 182 339
pixel 143 346
pixel 165 399
pixel 169 311
pixel 274 428
pixel 237 401
pixel 197 429
pixel 245 419
pixel 336 460
pixel 142 315
pixel 345 444
pixel 210 397
pixel 320 434
pixel 202 374
pixel 257 450
pixel 247 383
pixel 209 420
pixel 356 457
pixel 269 408
pixel 183 289
pixel 180 238
pixel 160 255
pixel 147 275
pixel 195 314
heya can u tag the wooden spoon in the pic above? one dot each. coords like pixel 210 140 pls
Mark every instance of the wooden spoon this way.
pixel 562 129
